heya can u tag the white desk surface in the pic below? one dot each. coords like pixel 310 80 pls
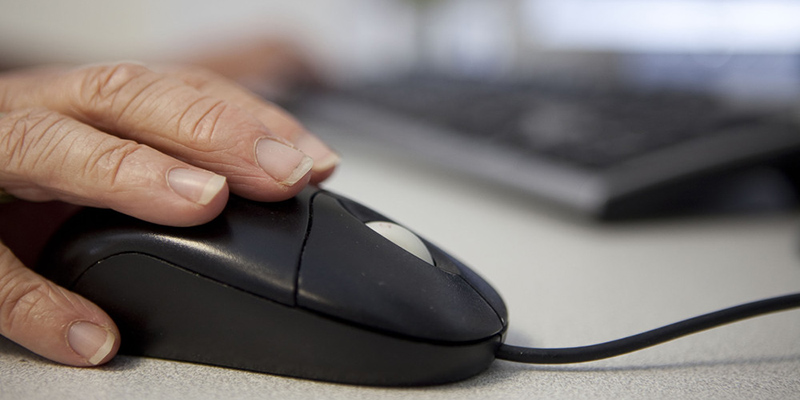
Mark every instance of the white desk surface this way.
pixel 566 282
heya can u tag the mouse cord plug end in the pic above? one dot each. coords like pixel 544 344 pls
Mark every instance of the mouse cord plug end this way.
pixel 646 339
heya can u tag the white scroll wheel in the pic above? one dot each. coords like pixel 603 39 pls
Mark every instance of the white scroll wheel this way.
pixel 403 238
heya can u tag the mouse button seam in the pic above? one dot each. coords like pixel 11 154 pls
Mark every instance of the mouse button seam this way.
pixel 307 234
pixel 457 265
pixel 437 253
pixel 94 264
pixel 503 319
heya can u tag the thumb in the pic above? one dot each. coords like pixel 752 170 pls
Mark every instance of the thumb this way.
pixel 51 321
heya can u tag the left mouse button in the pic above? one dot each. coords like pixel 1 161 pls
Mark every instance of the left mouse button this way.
pixel 403 238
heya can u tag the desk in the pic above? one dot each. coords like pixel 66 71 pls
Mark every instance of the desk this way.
pixel 566 281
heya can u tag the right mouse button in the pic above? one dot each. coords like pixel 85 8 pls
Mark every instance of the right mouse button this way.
pixel 352 273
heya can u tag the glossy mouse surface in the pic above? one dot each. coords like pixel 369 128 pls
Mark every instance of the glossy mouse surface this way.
pixel 302 288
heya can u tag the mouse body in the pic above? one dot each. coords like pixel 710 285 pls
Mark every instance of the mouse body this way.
pixel 302 288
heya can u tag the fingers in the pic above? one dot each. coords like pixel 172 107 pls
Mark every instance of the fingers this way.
pixel 209 130
pixel 45 155
pixel 51 321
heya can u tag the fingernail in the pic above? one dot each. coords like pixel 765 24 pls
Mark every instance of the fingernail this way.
pixel 282 162
pixel 324 157
pixel 197 186
pixel 91 341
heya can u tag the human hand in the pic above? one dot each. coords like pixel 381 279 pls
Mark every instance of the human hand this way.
pixel 165 147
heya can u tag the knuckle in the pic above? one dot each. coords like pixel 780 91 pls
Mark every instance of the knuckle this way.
pixel 21 304
pixel 104 82
pixel 20 298
pixel 43 146
pixel 27 136
pixel 107 160
pixel 114 86
pixel 200 121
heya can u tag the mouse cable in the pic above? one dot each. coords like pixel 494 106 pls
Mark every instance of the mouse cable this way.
pixel 653 337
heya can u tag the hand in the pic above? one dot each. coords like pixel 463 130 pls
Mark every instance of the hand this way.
pixel 161 146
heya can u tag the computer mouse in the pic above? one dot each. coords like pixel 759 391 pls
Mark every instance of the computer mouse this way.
pixel 318 287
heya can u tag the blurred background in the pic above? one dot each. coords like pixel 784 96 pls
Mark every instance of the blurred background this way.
pixel 587 156
pixel 679 42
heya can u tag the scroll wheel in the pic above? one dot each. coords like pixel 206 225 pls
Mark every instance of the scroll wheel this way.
pixel 403 238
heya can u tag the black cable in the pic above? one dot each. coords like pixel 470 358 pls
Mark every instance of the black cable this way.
pixel 649 338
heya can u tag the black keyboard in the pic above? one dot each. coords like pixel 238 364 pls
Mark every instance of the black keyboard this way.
pixel 617 144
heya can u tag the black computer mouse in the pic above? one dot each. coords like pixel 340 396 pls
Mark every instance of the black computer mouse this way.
pixel 307 288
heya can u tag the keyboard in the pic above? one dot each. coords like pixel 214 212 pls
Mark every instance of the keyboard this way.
pixel 603 151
